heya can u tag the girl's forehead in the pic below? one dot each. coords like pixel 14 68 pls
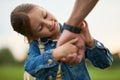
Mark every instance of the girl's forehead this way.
pixel 39 7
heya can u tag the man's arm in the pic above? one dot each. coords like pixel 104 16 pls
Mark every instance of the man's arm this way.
pixel 81 9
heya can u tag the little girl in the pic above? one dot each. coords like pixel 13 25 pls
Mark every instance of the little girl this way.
pixel 40 26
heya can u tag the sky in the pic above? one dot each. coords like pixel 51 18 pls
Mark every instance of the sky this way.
pixel 103 22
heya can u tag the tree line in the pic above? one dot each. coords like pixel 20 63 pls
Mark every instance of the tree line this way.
pixel 6 58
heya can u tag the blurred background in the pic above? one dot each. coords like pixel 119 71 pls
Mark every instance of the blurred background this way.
pixel 103 23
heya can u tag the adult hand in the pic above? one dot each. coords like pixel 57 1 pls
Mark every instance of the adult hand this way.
pixel 85 40
pixel 76 57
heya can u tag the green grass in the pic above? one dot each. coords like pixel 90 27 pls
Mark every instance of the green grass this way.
pixel 16 73
pixel 112 73
pixel 11 72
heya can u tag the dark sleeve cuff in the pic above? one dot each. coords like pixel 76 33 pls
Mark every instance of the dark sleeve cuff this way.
pixel 71 28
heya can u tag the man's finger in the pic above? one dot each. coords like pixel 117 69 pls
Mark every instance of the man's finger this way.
pixel 73 41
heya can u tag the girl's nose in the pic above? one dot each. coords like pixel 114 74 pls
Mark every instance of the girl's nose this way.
pixel 47 23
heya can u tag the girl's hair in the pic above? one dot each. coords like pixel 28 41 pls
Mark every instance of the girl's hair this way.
pixel 20 20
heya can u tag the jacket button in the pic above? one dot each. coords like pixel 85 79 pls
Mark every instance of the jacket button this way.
pixel 50 61
pixel 52 45
pixel 50 78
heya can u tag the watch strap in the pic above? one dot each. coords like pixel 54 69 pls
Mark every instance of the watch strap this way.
pixel 71 28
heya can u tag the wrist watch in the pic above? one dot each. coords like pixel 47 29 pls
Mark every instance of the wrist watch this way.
pixel 71 28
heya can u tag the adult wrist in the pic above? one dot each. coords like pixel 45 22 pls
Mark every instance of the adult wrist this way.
pixel 70 28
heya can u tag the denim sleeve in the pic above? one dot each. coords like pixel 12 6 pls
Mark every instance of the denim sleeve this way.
pixel 38 64
pixel 100 56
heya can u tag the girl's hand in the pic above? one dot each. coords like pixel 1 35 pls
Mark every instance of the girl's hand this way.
pixel 85 34
pixel 66 49
pixel 76 58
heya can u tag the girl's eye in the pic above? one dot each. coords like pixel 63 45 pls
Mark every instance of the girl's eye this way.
pixel 45 16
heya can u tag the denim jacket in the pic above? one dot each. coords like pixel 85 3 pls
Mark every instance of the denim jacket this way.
pixel 42 65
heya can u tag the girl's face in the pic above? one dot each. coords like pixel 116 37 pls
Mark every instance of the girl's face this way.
pixel 43 23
